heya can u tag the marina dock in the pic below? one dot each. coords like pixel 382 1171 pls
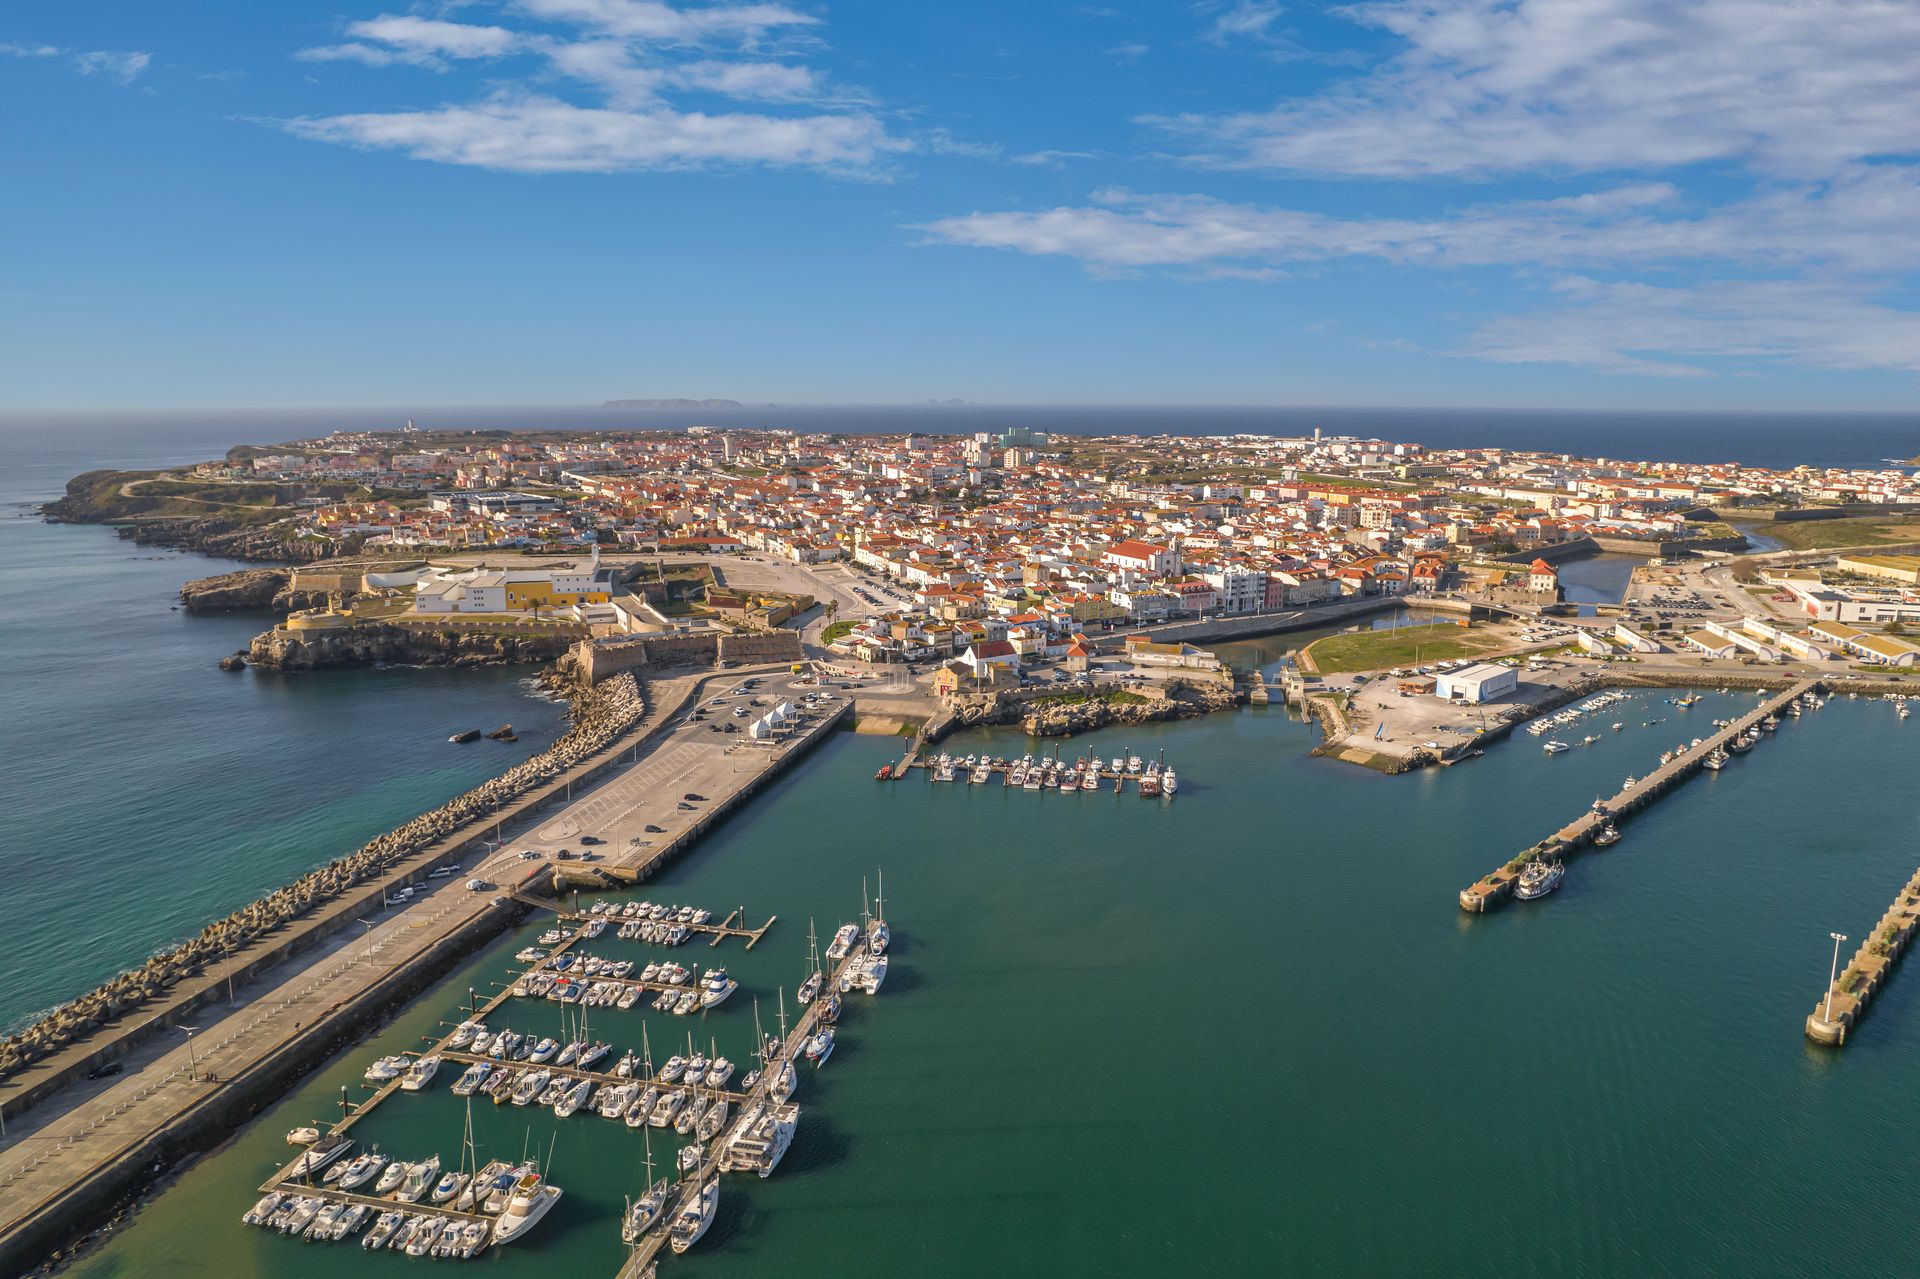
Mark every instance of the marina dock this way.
pixel 1028 775
pixel 1578 834
pixel 1845 1001
pixel 718 932
pixel 644 1256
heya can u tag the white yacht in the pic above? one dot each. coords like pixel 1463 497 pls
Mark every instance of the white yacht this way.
pixel 420 1074
pixel 529 1202
pixel 694 1216
pixel 762 1139
pixel 820 1047
pixel 643 1212
pixel 574 1098
pixel 785 1080
pixel 716 987
pixel 449 1185
pixel 544 1051
pixel 364 1168
pixel 318 1156
pixel 842 944
pixel 420 1179
pixel 1554 748
pixel 390 1179
pixel 463 1034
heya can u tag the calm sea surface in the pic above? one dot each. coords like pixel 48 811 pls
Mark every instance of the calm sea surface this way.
pixel 1246 1032
pixel 1250 1032
pixel 146 792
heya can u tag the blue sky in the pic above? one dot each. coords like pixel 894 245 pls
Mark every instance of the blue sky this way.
pixel 1467 202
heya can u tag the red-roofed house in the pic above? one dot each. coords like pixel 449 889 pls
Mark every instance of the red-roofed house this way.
pixel 1143 557
pixel 1543 577
pixel 989 653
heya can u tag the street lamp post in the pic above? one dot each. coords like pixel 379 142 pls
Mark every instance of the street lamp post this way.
pixel 369 936
pixel 1833 974
pixel 193 1064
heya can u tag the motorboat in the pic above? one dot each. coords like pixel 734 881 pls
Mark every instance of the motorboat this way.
pixel 544 1050
pixel 531 1200
pixel 592 1053
pixel 712 1120
pixel 303 1136
pixel 482 1184
pixel 420 1074
pixel 318 1155
pixel 390 1180
pixel 463 1034
pixel 574 1098
pixel 694 1215
pixel 260 1213
pixel 363 1168
pixel 785 1080
pixel 383 1228
pixel 1554 748
pixel 666 1109
pixel 420 1179
pixel 716 988
pixel 470 1081
pixel 449 1185
pixel 387 1068
pixel 527 1089
pixel 842 944
pixel 1607 835
pixel 1538 879
pixel 719 1070
pixel 696 1071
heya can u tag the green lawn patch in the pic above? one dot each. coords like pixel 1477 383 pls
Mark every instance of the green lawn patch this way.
pixel 1377 650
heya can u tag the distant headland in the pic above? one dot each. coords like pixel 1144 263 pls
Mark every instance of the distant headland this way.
pixel 672 404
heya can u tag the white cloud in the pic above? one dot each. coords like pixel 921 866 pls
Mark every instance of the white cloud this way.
pixel 647 20
pixel 1858 223
pixel 1130 52
pixel 448 39
pixel 1241 20
pixel 543 135
pixel 1051 159
pixel 12 50
pixel 1645 330
pixel 121 66
pixel 369 55
pixel 634 55
pixel 1790 87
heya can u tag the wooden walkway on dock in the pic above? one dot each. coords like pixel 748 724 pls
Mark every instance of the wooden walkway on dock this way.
pixel 1577 834
pixel 645 1255
pixel 719 932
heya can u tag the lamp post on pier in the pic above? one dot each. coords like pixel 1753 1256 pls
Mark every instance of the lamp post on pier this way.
pixel 1833 974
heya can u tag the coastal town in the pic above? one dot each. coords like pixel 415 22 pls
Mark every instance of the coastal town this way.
pixel 716 604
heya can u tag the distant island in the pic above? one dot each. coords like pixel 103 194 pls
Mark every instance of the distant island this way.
pixel 672 404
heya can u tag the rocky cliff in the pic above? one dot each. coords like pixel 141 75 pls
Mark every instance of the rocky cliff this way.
pixel 213 535
pixel 402 645
pixel 250 588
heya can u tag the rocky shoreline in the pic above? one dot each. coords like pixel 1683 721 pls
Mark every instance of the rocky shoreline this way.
pixel 248 590
pixel 600 715
pixel 1174 699
pixel 229 539
pixel 384 642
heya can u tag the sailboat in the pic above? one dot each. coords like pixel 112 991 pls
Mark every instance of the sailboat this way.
pixel 811 986
pixel 877 934
pixel 644 1212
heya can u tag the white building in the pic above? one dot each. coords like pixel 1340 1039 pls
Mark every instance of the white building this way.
pixel 1482 683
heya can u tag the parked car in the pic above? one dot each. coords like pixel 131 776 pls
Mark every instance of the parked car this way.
pixel 107 1070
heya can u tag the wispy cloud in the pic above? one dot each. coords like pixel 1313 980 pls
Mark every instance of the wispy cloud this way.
pixel 1796 87
pixel 636 56
pixel 1131 51
pixel 122 67
pixel 530 134
pixel 11 50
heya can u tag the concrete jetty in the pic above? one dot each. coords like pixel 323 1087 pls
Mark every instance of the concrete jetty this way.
pixel 1484 893
pixel 1845 1002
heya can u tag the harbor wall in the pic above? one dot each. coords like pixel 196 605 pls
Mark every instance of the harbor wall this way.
pixel 31 1238
pixel 597 660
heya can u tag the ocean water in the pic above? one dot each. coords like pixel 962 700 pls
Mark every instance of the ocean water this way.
pixel 1248 1031
pixel 1784 439
pixel 147 793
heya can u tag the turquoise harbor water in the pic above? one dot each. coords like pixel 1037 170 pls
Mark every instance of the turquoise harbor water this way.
pixel 146 793
pixel 1249 1032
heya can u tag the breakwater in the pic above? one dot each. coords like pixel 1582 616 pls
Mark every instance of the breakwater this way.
pixel 412 643
pixel 1845 1001
pixel 600 717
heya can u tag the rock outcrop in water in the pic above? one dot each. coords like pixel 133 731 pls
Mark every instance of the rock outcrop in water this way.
pixel 251 588
pixel 600 717
pixel 366 645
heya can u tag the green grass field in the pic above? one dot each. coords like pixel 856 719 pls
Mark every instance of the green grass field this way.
pixel 1801 535
pixel 1378 650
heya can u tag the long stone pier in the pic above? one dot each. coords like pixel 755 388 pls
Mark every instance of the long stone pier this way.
pixel 1845 1002
pixel 1483 893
